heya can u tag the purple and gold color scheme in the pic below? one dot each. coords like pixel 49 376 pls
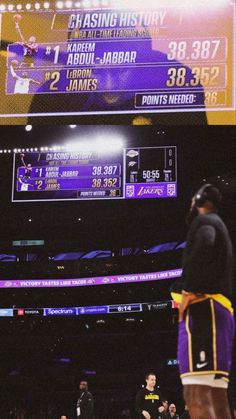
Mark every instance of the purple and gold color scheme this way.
pixel 206 340
pixel 119 58
pixel 135 173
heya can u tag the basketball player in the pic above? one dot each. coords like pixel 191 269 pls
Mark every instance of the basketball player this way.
pixel 23 183
pixel 30 46
pixel 28 167
pixel 206 323
pixel 23 82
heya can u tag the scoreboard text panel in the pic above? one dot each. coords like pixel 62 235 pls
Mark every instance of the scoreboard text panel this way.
pixel 131 173
pixel 119 60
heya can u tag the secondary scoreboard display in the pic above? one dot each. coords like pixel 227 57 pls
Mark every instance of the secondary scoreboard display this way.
pixel 131 173
pixel 164 56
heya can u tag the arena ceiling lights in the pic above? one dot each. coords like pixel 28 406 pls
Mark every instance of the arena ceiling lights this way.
pixel 98 4
pixel 58 5
pixel 99 144
pixel 32 149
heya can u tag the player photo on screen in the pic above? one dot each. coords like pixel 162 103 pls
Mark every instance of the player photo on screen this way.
pixel 117 59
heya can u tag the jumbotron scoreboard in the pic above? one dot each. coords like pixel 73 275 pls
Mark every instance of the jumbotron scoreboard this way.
pixel 74 58
pixel 130 173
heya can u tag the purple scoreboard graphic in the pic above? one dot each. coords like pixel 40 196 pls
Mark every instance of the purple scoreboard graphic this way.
pixel 131 173
pixel 118 58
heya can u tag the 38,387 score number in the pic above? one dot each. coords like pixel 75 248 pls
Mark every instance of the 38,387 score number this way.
pixel 194 50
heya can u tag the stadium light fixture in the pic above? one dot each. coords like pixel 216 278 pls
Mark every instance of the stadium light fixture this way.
pixel 28 128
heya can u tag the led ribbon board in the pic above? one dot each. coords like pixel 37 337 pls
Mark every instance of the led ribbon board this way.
pixel 100 280
pixel 134 173
pixel 164 56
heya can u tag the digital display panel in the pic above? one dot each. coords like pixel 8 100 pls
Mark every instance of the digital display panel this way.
pixel 121 57
pixel 88 310
pixel 99 280
pixel 131 173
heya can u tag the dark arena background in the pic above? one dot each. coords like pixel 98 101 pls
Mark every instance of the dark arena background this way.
pixel 86 266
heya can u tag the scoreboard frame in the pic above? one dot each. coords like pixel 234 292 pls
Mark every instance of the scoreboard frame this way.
pixel 226 99
pixel 104 198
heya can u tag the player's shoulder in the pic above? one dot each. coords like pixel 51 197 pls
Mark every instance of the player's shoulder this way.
pixel 215 221
pixel 211 218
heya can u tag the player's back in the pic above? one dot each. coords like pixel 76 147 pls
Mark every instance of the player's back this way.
pixel 208 268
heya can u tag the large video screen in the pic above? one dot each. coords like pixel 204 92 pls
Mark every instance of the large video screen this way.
pixel 130 173
pixel 118 57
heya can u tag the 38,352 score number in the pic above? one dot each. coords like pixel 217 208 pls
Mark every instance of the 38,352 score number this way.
pixel 206 76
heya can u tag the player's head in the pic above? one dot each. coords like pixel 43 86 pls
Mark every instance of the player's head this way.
pixel 25 75
pixel 150 379
pixel 83 385
pixel 32 40
pixel 208 196
pixel 14 63
pixel 29 166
